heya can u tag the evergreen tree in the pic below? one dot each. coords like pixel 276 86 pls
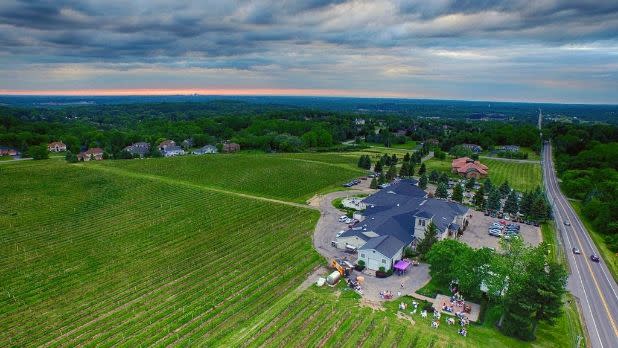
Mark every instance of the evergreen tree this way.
pixel 470 184
pixel 406 157
pixel 539 208
pixel 378 167
pixel 422 170
pixel 404 171
pixel 511 205
pixel 392 173
pixel 381 179
pixel 367 162
pixel 443 179
pixel 373 184
pixel 479 198
pixel 493 200
pixel 457 193
pixel 525 206
pixel 441 191
pixel 430 238
pixel 505 189
pixel 411 168
pixel 394 159
pixel 434 176
pixel 422 182
pixel 361 161
pixel 488 185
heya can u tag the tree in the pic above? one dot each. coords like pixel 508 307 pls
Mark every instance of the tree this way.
pixel 378 167
pixel 443 179
pixel 422 170
pixel 411 169
pixel 511 205
pixel 38 152
pixel 364 162
pixel 538 211
pixel 394 159
pixel 381 179
pixel 442 257
pixel 441 191
pixel 457 193
pixel 525 206
pixel 428 240
pixel 504 189
pixel 406 157
pixel 488 185
pixel 470 184
pixel 493 200
pixel 479 198
pixel 70 157
pixel 405 169
pixel 392 173
pixel 422 182
pixel 373 184
pixel 434 176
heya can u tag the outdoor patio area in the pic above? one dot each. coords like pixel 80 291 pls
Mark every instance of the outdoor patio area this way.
pixel 452 306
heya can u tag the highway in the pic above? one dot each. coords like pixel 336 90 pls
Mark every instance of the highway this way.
pixel 589 281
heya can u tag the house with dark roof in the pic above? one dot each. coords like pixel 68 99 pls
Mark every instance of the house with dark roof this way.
pixel 473 147
pixel 172 150
pixel 141 149
pixel 401 212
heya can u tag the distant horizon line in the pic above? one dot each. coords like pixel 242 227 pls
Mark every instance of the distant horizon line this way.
pixel 258 92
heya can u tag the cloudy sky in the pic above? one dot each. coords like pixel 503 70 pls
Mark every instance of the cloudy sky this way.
pixel 538 50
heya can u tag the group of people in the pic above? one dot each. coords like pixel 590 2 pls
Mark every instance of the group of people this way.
pixel 387 294
pixel 354 285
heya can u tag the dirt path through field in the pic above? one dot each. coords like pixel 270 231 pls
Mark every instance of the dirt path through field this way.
pixel 191 185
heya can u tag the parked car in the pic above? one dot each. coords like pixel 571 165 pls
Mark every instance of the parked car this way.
pixel 342 218
pixel 594 258
pixel 340 233
pixel 576 251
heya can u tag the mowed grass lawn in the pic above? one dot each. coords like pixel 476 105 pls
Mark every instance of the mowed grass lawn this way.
pixel 91 257
pixel 274 176
pixel 521 176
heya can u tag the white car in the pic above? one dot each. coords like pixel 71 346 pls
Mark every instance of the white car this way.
pixel 347 220
pixel 342 218
pixel 340 233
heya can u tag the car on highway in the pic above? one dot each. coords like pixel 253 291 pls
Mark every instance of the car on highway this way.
pixel 594 258
pixel 567 223
pixel 576 251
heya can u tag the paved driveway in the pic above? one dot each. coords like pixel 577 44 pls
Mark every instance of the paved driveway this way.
pixel 415 278
pixel 328 226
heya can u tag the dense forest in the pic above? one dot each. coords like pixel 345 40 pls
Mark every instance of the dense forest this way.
pixel 587 163
pixel 254 126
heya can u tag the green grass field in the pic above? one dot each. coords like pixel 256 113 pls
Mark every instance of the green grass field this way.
pixel 100 258
pixel 273 176
pixel 521 176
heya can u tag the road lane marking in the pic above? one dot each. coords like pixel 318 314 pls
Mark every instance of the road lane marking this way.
pixel 602 297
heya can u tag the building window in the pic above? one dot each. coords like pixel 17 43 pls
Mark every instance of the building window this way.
pixel 363 255
pixel 383 260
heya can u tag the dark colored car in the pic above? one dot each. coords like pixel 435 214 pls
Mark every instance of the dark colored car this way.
pixel 594 258
pixel 576 251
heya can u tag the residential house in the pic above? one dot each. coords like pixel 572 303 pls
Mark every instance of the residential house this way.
pixel 509 148
pixel 95 153
pixel 395 217
pixel 8 151
pixel 205 149
pixel 359 121
pixel 140 149
pixel 172 150
pixel 56 146
pixel 230 147
pixel 165 144
pixel 473 147
pixel 469 168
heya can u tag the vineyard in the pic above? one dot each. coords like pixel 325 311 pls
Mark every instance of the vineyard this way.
pixel 98 258
pixel 521 176
pixel 273 176
pixel 318 318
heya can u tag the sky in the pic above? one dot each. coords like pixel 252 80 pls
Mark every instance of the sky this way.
pixel 511 50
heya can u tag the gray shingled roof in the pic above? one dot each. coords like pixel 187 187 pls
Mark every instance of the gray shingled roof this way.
pixel 385 245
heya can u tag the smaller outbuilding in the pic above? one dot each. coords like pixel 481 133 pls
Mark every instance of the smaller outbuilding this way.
pixel 8 151
pixel 172 150
pixel 230 147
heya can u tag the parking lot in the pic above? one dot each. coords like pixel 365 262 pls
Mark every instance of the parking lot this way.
pixel 477 236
